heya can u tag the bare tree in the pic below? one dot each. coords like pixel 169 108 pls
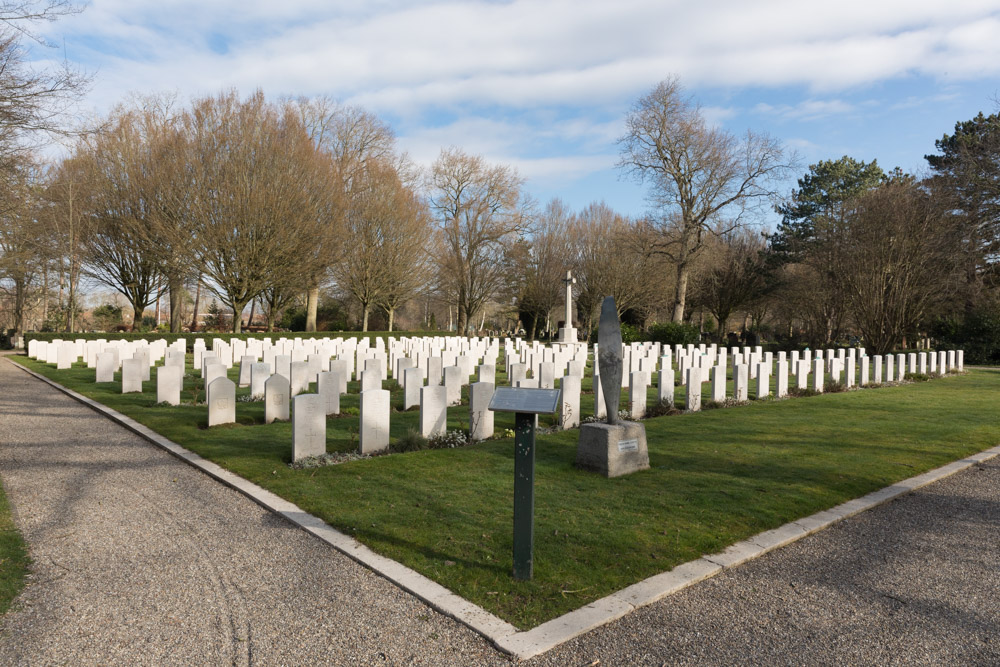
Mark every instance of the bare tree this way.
pixel 23 250
pixel 351 137
pixel 119 252
pixel 480 212
pixel 260 189
pixel 406 251
pixel 700 175
pixel 900 258
pixel 538 265
pixel 33 102
pixel 735 278
pixel 609 262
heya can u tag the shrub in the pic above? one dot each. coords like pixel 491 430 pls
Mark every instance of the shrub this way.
pixel 978 333
pixel 672 333
pixel 797 392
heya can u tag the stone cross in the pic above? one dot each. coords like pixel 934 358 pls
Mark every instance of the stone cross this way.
pixel 570 281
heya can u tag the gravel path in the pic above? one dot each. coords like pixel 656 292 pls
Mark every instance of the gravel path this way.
pixel 913 582
pixel 140 559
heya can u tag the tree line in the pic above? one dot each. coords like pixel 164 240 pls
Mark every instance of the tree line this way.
pixel 273 204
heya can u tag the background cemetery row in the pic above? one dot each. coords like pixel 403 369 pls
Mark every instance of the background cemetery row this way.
pixel 353 235
pixel 306 380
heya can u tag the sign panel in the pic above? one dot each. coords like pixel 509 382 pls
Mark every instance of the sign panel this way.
pixel 526 401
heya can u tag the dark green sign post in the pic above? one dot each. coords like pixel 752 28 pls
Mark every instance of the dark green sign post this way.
pixel 526 404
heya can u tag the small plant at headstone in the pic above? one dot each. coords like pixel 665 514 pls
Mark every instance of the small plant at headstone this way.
pixel 802 392
pixel 392 385
pixel 412 441
pixel 352 411
pixel 833 387
pixel 328 459
pixel 196 388
pixel 662 409
pixel 449 440
pixel 916 377
pixel 247 398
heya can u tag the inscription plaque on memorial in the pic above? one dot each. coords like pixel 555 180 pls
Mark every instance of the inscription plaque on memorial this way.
pixel 628 445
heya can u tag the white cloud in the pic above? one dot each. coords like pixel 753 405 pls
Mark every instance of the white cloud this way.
pixel 526 53
pixel 811 109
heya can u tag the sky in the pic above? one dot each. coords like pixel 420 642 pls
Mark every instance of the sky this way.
pixel 544 85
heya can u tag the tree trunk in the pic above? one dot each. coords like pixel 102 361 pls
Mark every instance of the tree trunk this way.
pixel 392 314
pixel 364 317
pixel 253 307
pixel 312 303
pixel 136 316
pixel 723 325
pixel 197 298
pixel 680 292
pixel 238 316
pixel 270 319
pixel 175 287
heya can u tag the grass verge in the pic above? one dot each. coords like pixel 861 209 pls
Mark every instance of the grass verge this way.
pixel 14 558
pixel 716 477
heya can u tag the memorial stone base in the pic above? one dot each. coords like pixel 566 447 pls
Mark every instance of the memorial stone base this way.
pixel 567 335
pixel 612 450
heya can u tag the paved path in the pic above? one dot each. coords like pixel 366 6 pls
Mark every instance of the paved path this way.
pixel 139 559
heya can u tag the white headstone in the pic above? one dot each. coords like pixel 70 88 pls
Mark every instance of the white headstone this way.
pixel 665 389
pixel 276 398
pixel 569 416
pixel 308 426
pixel 638 384
pixel 782 388
pixel 168 385
pixel 221 397
pixel 741 382
pixel 374 429
pixel 480 416
pixel 105 367
pixel 328 386
pixel 299 382
pixel 246 362
pixel 600 409
pixel 413 382
pixel 259 372
pixel 453 384
pixel 132 376
pixel 213 371
pixel 718 383
pixel 818 375
pixel 433 411
pixel 763 380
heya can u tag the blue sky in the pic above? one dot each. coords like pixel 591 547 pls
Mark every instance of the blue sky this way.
pixel 544 84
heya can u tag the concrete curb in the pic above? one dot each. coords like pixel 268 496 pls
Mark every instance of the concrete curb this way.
pixel 548 635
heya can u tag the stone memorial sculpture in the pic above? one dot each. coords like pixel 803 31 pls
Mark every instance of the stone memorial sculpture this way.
pixel 609 362
pixel 616 447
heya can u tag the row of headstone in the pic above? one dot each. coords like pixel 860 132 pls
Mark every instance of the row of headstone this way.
pixel 427 384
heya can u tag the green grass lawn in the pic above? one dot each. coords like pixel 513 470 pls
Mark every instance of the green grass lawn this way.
pixel 14 559
pixel 716 477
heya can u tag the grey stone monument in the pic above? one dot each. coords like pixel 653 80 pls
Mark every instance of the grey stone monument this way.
pixel 617 447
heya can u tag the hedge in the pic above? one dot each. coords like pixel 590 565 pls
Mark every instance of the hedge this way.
pixel 208 337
